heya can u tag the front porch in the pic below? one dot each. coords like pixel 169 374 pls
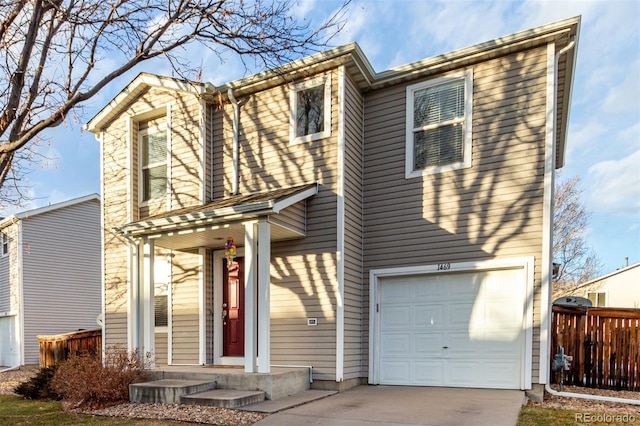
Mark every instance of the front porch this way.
pixel 206 321
pixel 229 387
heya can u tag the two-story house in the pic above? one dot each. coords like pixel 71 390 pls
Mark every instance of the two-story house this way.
pixel 49 275
pixel 385 227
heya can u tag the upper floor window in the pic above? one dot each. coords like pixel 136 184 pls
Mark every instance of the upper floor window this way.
pixel 153 163
pixel 439 125
pixel 310 103
pixel 5 244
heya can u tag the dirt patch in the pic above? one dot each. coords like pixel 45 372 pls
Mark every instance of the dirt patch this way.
pixel 10 379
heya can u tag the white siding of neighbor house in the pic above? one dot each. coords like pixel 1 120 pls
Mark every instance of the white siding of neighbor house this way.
pixel 490 210
pixel 622 289
pixel 61 273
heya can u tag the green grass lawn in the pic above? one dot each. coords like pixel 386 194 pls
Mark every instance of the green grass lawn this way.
pixel 14 410
pixel 542 416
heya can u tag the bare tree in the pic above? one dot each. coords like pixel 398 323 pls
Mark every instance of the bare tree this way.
pixel 51 52
pixel 577 262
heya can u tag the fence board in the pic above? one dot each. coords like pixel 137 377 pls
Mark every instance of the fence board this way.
pixel 604 345
pixel 54 349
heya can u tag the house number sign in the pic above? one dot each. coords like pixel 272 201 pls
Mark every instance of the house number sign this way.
pixel 444 266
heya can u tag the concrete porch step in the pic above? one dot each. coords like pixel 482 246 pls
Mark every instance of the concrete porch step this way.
pixel 167 391
pixel 225 398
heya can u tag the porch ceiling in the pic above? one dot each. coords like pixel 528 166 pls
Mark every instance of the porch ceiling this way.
pixel 214 236
pixel 211 224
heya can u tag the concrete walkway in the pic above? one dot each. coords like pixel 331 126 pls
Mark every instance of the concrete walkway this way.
pixel 404 405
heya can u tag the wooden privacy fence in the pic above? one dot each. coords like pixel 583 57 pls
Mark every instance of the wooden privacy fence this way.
pixel 61 346
pixel 604 343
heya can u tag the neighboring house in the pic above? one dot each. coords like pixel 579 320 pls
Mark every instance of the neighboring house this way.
pixel 391 227
pixel 49 275
pixel 619 289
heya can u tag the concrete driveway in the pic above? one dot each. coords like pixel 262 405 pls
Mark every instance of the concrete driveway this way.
pixel 403 405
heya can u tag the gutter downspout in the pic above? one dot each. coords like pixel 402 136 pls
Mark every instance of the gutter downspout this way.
pixel 236 143
pixel 547 387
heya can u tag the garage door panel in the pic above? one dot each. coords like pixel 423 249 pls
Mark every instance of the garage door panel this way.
pixel 478 316
pixel 501 374
pixel 397 343
pixel 428 343
pixel 395 372
pixel 396 316
pixel 462 373
pixel 429 371
pixel 459 314
pixel 428 315
pixel 459 343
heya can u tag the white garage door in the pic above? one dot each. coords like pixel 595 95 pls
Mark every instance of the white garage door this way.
pixel 457 329
pixel 8 342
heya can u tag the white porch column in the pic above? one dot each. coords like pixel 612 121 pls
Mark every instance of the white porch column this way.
pixel 133 317
pixel 264 299
pixel 147 317
pixel 250 274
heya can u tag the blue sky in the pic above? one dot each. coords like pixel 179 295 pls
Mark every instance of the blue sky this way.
pixel 604 130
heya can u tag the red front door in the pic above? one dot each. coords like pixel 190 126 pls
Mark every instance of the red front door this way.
pixel 233 308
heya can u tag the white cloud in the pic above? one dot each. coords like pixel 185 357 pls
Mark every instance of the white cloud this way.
pixel 584 138
pixel 625 96
pixel 616 185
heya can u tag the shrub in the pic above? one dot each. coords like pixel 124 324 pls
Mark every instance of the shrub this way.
pixel 84 381
pixel 39 386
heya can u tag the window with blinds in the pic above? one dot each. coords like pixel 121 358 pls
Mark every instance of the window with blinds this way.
pixel 153 163
pixel 438 125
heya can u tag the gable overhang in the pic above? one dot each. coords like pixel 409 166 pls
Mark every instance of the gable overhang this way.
pixel 46 209
pixel 137 87
pixel 212 224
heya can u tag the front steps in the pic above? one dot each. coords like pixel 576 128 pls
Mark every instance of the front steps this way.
pixel 167 391
pixel 218 388
pixel 225 398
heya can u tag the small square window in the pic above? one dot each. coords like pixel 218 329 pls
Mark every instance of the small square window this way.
pixel 310 104
pixel 439 125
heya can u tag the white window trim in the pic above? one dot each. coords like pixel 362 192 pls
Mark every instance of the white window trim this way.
pixel 141 134
pixel 468 114
pixel 293 104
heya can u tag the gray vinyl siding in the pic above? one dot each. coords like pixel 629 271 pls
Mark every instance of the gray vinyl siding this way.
pixel 303 272
pixel 353 309
pixel 491 210
pixel 161 340
pixel 185 308
pixel 293 217
pixel 5 277
pixel 61 273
